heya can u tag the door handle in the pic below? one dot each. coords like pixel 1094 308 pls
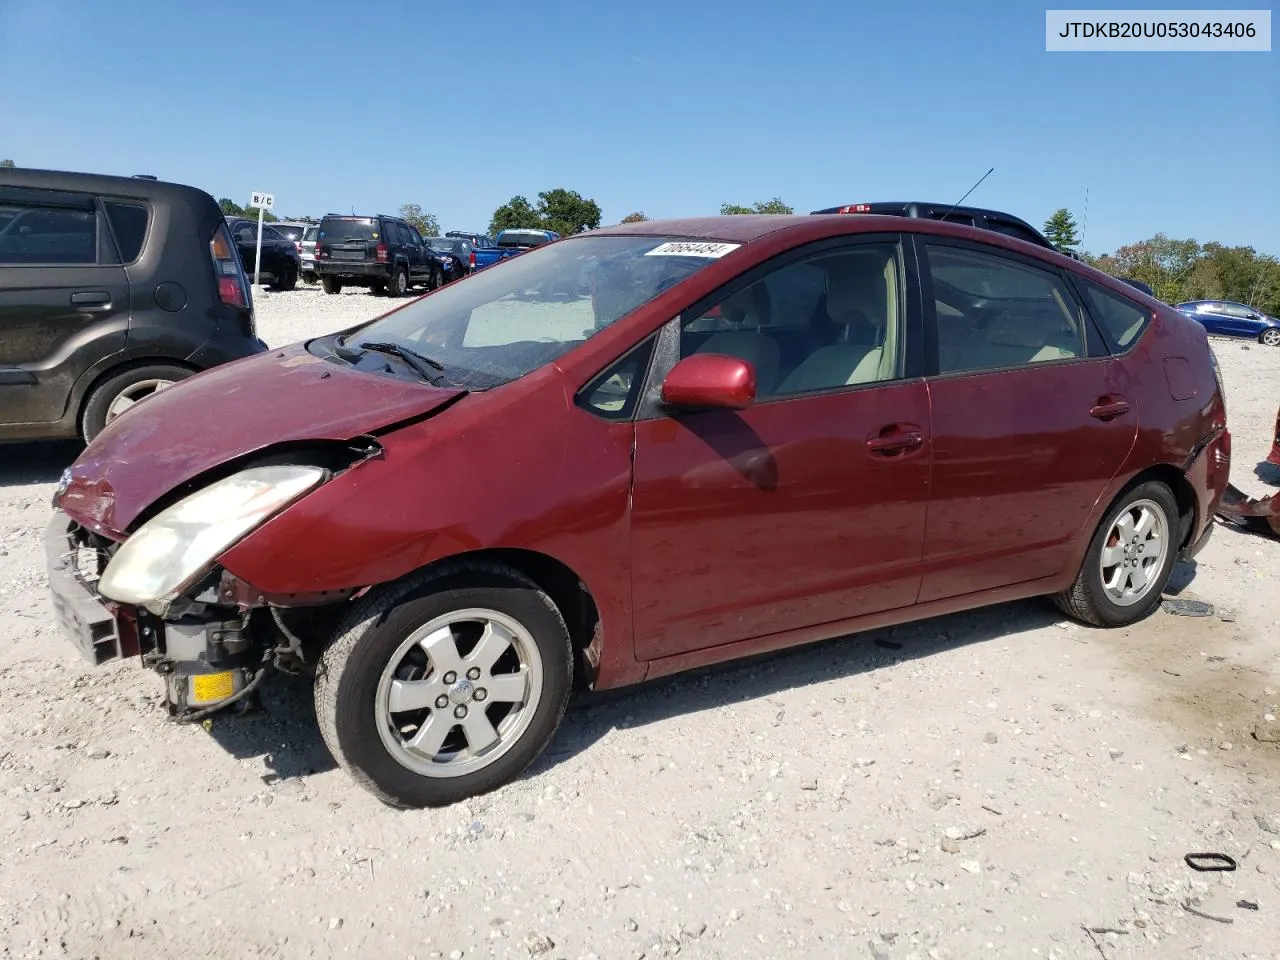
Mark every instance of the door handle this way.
pixel 1108 407
pixel 91 300
pixel 890 439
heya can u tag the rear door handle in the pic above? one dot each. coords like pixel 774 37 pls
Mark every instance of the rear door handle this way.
pixel 895 437
pixel 1108 407
pixel 91 300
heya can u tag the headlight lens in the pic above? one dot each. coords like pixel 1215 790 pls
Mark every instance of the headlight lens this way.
pixel 179 543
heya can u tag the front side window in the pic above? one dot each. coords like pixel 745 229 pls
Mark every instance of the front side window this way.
pixel 826 322
pixel 506 322
pixel 47 235
pixel 993 313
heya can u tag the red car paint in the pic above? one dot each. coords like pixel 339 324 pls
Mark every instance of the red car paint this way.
pixel 712 535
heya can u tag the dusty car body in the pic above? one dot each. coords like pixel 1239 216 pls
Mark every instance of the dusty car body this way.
pixel 635 452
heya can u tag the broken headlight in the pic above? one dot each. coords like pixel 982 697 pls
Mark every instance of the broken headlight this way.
pixel 178 544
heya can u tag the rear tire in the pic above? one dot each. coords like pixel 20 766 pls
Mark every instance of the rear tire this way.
pixel 1098 597
pixel 390 640
pixel 310 278
pixel 399 283
pixel 114 396
pixel 331 284
pixel 1270 338
pixel 288 279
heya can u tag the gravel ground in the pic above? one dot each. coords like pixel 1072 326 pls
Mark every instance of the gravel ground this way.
pixel 999 784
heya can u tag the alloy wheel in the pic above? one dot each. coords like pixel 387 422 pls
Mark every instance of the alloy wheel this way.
pixel 1134 552
pixel 458 692
pixel 131 394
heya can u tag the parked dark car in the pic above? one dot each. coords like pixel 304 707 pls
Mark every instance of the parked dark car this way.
pixel 281 264
pixel 512 243
pixel 456 256
pixel 562 469
pixel 111 288
pixel 475 239
pixel 1226 318
pixel 385 254
pixel 996 220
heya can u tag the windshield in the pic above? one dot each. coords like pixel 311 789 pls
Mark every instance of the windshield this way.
pixel 507 321
pixel 348 228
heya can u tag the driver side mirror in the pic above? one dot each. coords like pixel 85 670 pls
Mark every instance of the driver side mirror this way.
pixel 710 381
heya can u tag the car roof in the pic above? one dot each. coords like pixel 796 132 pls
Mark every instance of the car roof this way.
pixel 744 228
pixel 139 187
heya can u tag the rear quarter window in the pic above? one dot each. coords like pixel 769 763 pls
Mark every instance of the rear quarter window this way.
pixel 129 224
pixel 1121 318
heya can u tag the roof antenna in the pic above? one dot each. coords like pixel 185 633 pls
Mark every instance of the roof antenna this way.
pixel 1084 230
pixel 966 193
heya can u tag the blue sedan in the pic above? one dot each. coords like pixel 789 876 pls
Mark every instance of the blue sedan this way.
pixel 1228 319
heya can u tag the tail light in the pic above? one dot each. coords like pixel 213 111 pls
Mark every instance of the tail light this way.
pixel 381 252
pixel 297 245
pixel 233 286
pixel 473 260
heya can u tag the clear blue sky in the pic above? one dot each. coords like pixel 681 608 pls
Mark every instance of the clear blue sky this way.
pixel 667 107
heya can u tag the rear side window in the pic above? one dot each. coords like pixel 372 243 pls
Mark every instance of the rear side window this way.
pixel 129 224
pixel 1123 319
pixel 1014 230
pixel 993 313
pixel 48 235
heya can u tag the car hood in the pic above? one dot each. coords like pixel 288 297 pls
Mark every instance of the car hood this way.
pixel 221 415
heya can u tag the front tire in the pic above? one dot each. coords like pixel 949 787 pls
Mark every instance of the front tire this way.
pixel 1270 338
pixel 445 685
pixel 1129 560
pixel 114 396
pixel 331 284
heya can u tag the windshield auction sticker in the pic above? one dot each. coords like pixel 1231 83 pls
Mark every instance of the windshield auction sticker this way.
pixel 692 248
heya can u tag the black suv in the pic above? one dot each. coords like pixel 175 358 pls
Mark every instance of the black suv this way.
pixel 111 288
pixel 996 220
pixel 385 254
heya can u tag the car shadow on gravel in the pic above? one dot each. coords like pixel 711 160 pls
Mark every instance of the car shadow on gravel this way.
pixel 282 732
pixel 26 464
pixel 592 716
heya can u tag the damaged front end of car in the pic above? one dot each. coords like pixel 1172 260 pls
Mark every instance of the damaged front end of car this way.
pixel 157 592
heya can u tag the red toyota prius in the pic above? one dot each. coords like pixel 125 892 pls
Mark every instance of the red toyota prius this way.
pixel 632 452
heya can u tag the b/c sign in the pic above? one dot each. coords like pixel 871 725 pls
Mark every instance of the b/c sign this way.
pixel 262 201
pixel 1124 31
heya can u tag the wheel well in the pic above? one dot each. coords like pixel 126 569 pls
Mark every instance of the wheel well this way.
pixel 567 591
pixel 1183 494
pixel 125 367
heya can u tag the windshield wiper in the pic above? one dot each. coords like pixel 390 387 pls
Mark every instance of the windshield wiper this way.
pixel 427 368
